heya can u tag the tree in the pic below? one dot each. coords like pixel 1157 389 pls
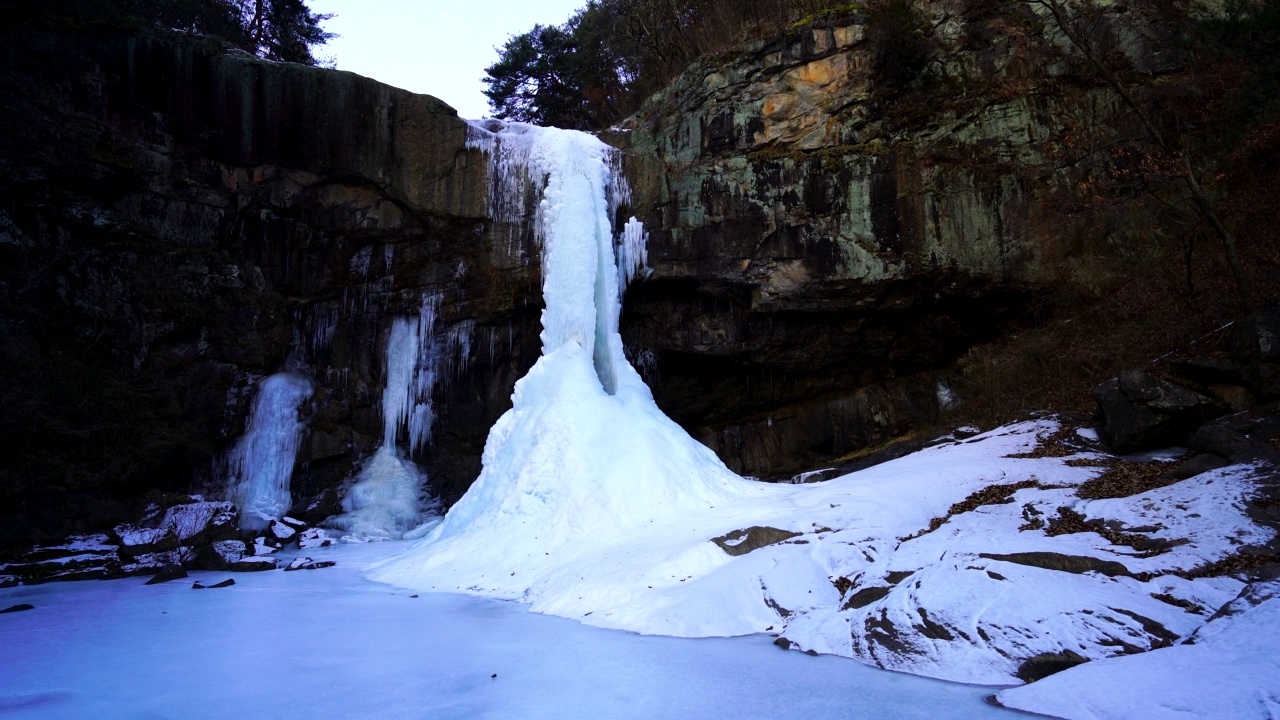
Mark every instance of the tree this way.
pixel 596 68
pixel 284 29
pixel 569 76
pixel 1177 146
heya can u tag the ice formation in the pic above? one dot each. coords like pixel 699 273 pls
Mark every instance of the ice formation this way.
pixel 584 458
pixel 261 463
pixel 385 499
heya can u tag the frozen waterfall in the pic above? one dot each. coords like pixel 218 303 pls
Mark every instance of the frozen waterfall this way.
pixel 261 463
pixel 584 458
pixel 385 499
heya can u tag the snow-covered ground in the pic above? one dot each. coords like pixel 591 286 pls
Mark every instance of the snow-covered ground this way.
pixel 1228 669
pixel 329 643
pixel 852 569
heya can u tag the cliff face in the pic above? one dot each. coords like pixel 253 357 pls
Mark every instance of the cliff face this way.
pixel 177 222
pixel 824 241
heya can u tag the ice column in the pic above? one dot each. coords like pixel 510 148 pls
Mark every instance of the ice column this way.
pixel 261 463
pixel 584 459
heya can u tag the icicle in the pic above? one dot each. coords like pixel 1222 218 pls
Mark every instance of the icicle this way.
pixel 261 463
pixel 633 254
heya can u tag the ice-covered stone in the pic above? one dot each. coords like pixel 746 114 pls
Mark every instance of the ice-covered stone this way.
pixel 134 540
pixel 306 563
pixel 254 564
pixel 281 531
pixel 294 523
pixel 221 555
pixel 314 538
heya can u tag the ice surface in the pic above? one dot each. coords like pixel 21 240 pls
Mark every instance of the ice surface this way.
pixel 261 463
pixel 330 644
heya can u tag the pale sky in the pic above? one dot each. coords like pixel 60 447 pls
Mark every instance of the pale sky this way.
pixel 436 47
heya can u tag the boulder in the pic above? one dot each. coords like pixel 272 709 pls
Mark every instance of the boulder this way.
pixel 261 547
pixel 281 531
pixel 1241 437
pixel 225 583
pixel 1202 463
pixel 167 573
pixel 18 608
pixel 201 522
pixel 254 564
pixel 149 563
pixel 294 523
pixel 1141 412
pixel 314 538
pixel 220 555
pixel 306 563
pixel 134 540
pixel 1256 348
pixel 82 557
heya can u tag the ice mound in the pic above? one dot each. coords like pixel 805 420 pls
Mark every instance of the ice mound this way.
pixel 383 502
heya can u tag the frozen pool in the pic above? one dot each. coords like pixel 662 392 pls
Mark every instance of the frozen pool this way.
pixel 329 643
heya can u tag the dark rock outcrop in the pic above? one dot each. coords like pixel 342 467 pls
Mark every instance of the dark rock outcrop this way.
pixel 166 574
pixel 1045 664
pixel 1256 348
pixel 741 542
pixel 1140 411
pixel 1063 563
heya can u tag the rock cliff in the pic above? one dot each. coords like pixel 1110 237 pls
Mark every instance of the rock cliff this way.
pixel 825 242
pixel 178 221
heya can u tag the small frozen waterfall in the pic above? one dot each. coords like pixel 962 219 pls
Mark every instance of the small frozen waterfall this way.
pixel 385 501
pixel 261 463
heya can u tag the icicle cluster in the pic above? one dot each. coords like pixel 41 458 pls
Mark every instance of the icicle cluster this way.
pixel 633 254
pixel 406 400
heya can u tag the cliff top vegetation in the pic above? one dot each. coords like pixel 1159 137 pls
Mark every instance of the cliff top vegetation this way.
pixel 284 30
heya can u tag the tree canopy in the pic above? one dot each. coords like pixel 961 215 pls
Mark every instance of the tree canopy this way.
pixel 598 66
pixel 285 30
